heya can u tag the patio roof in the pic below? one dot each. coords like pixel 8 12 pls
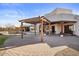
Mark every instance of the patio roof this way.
pixel 61 17
pixel 34 20
pixel 63 22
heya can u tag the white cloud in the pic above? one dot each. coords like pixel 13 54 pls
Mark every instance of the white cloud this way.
pixel 11 16
pixel 76 12
pixel 11 4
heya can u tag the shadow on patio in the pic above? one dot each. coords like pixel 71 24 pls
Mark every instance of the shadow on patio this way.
pixel 16 41
pixel 56 40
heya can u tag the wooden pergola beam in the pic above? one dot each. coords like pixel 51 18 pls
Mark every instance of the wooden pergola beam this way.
pixel 35 28
pixel 44 20
pixel 22 30
pixel 49 28
pixel 42 34
pixel 62 27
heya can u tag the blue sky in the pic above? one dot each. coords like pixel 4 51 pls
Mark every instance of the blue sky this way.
pixel 11 13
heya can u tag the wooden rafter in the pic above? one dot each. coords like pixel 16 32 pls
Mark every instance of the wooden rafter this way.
pixel 62 27
pixel 49 28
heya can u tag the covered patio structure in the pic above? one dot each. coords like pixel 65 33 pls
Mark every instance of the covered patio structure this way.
pixel 35 20
pixel 63 27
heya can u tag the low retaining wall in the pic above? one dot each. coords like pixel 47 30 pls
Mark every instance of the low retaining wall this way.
pixel 4 32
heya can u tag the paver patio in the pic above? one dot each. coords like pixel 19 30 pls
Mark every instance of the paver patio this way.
pixel 31 45
pixel 56 40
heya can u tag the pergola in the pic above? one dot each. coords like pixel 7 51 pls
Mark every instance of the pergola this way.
pixel 35 20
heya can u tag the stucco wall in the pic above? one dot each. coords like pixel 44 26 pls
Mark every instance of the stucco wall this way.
pixel 57 28
pixel 76 30
pixel 76 26
pixel 37 28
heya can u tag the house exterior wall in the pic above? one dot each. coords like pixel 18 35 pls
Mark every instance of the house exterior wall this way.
pixel 76 27
pixel 33 27
pixel 76 31
pixel 37 27
pixel 57 28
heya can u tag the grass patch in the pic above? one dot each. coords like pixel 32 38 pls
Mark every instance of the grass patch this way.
pixel 3 39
